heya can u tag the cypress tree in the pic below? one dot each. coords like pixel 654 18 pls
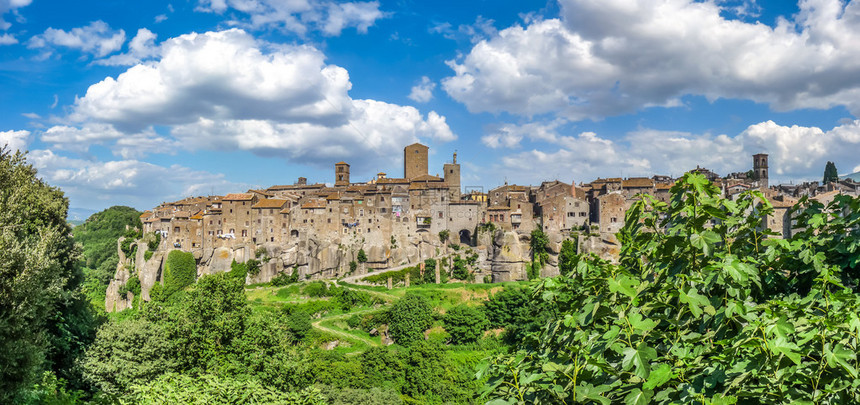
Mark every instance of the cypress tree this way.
pixel 830 173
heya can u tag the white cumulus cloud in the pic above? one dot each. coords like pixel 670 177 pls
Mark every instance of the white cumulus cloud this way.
pixel 795 153
pixel 132 182
pixel 15 140
pixel 611 57
pixel 301 16
pixel 422 92
pixel 10 5
pixel 141 47
pixel 226 90
pixel 97 39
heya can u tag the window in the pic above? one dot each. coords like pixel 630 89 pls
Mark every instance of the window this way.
pixel 244 232
pixel 231 210
pixel 613 219
pixel 440 214
pixel 232 230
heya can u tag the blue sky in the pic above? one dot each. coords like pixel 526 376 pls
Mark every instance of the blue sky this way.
pixel 139 103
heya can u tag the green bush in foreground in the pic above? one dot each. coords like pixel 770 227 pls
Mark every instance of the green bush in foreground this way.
pixel 704 308
pixel 465 324
pixel 409 317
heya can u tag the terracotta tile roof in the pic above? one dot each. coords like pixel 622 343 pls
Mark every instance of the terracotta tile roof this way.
pixel 146 214
pixel 270 203
pixel 333 196
pixel 198 215
pixel 285 211
pixel 418 186
pixel 261 192
pixel 313 204
pixel 342 163
pixel 389 180
pixel 664 186
pixel 639 182
pixel 426 177
pixel 238 197
pixel 181 214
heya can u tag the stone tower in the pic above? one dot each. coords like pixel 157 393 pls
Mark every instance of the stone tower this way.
pixel 452 178
pixel 341 174
pixel 760 169
pixel 414 161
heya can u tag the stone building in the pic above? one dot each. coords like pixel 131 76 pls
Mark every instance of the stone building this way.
pixel 415 162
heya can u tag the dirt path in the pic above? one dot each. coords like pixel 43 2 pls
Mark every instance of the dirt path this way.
pixel 318 324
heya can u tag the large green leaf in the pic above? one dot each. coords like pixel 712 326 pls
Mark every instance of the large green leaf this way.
pixel 638 397
pixel 640 359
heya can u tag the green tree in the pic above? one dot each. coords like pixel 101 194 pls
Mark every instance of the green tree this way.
pixel 180 270
pixel 538 243
pixel 98 236
pixel 830 173
pixel 465 324
pixel 39 282
pixel 212 315
pixel 444 235
pixel 361 257
pixel 701 293
pixel 459 268
pixel 567 257
pixel 429 271
pixel 128 352
pixel 409 317
pixel 299 323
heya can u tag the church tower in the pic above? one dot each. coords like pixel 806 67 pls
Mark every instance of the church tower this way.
pixel 415 161
pixel 452 178
pixel 760 169
pixel 341 174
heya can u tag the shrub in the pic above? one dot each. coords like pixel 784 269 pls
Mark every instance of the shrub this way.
pixel 444 235
pixel 409 317
pixel 154 241
pixel 180 271
pixel 353 321
pixel 361 257
pixel 460 270
pixel 352 266
pixel 238 271
pixel 465 324
pixel 147 255
pixel 567 258
pixel 430 271
pixel 299 323
pixel 131 286
pixel 316 289
pixel 253 267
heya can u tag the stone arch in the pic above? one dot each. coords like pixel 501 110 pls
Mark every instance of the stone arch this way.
pixel 294 233
pixel 466 237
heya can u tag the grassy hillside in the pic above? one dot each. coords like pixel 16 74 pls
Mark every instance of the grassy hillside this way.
pixel 97 237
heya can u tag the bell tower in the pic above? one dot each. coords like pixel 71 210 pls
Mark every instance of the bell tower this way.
pixel 341 174
pixel 760 169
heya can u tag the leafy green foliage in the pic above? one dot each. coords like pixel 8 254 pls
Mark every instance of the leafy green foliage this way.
pixel 353 265
pixel 283 279
pixel 299 323
pixel 540 255
pixel 429 271
pixel 253 267
pixel 396 276
pixel 465 324
pixel 131 352
pixel 567 257
pixel 361 257
pixel 316 289
pixel 444 235
pixel 459 269
pixel 132 286
pixel 212 389
pixel 180 270
pixel 409 318
pixel 703 308
pixel 44 319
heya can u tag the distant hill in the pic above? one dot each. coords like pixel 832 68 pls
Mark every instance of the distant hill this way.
pixel 852 176
pixel 78 215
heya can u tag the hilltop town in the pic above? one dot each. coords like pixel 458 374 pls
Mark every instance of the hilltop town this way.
pixel 319 231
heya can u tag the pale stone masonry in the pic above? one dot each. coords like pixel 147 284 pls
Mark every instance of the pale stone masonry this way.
pixel 318 229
